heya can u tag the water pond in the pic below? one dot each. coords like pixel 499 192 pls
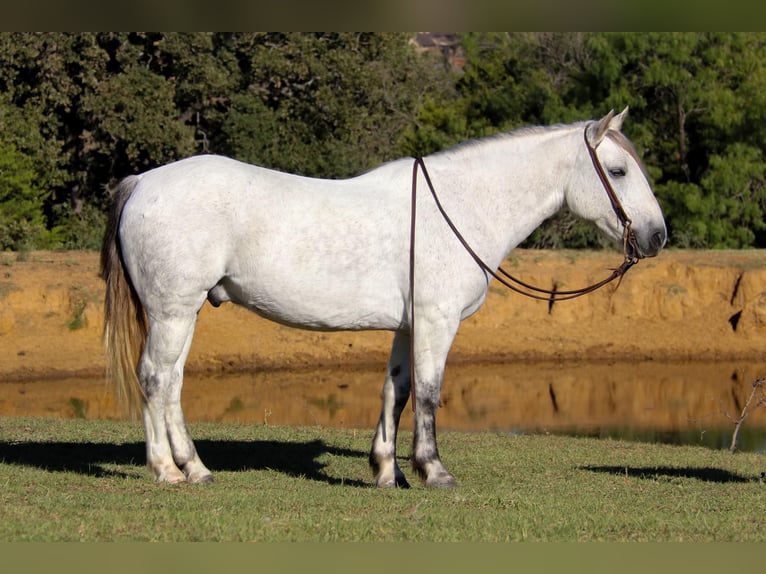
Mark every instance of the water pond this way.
pixel 680 403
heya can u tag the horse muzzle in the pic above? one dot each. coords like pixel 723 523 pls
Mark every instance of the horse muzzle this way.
pixel 639 246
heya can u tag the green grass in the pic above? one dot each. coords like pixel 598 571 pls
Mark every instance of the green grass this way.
pixel 65 480
pixel 79 299
pixel 78 316
pixel 6 287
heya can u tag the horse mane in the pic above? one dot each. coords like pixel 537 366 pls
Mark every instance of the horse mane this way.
pixel 617 137
pixel 514 133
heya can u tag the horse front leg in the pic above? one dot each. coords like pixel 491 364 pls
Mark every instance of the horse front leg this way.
pixel 396 392
pixel 425 453
pixel 432 344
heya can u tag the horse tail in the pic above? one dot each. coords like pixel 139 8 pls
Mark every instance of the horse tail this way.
pixel 125 322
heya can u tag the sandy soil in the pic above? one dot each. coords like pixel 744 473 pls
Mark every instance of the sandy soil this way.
pixel 681 305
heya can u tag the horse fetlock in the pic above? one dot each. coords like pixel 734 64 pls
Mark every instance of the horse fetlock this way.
pixel 398 480
pixel 169 474
pixel 387 472
pixel 391 477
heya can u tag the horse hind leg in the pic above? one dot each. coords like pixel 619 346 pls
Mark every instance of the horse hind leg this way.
pixel 396 392
pixel 170 451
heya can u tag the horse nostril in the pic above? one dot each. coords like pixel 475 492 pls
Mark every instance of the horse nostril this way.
pixel 658 240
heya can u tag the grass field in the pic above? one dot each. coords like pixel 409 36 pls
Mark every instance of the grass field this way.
pixel 74 480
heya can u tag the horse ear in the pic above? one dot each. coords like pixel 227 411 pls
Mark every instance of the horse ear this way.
pixel 616 123
pixel 597 130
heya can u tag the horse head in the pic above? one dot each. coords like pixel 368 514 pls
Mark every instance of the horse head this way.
pixel 621 194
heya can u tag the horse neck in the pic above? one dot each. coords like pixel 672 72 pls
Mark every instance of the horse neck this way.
pixel 504 187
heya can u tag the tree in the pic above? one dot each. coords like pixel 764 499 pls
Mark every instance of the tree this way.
pixel 327 105
pixel 87 109
pixel 21 219
pixel 697 104
pixel 694 96
pixel 512 80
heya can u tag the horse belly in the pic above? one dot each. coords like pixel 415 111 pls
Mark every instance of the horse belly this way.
pixel 320 305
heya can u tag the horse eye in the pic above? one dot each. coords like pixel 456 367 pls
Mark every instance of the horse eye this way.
pixel 617 172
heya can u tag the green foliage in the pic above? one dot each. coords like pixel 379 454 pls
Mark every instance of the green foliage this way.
pixel 21 218
pixel 327 105
pixel 695 112
pixel 697 117
pixel 81 110
pixel 727 208
pixel 83 230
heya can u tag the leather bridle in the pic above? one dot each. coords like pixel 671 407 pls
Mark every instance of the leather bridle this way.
pixel 629 243
pixel 629 246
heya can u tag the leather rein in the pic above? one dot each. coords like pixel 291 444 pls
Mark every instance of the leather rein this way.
pixel 629 244
pixel 629 248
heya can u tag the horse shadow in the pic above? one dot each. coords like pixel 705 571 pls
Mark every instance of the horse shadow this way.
pixel 299 459
pixel 705 474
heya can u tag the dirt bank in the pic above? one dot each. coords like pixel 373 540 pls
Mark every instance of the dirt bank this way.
pixel 681 305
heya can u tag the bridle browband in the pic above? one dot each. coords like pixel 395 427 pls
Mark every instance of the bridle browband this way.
pixel 629 248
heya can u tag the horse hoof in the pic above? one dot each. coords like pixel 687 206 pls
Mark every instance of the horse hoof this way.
pixel 202 479
pixel 398 482
pixel 441 480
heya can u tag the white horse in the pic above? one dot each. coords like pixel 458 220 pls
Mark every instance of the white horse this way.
pixel 334 255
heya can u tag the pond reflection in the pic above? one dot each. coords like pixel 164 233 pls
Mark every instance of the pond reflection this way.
pixel 678 403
